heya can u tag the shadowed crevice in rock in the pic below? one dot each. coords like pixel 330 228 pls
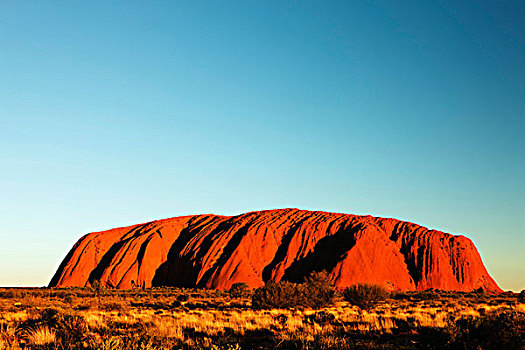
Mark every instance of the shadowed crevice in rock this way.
pixel 106 261
pixel 232 244
pixel 325 256
pixel 399 233
pixel 177 271
pixel 282 250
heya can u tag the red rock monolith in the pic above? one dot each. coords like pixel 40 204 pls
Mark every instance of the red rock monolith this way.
pixel 217 251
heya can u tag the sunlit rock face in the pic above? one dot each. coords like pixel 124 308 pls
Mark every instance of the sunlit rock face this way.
pixel 285 244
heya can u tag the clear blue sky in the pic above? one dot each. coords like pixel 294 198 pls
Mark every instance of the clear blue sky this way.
pixel 116 113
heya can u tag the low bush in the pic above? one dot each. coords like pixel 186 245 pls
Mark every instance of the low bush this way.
pixel 280 295
pixel 182 297
pixel 69 327
pixel 365 295
pixel 427 295
pixel 66 326
pixel 496 330
pixel 316 292
pixel 113 306
pixel 239 290
pixel 10 294
pixel 320 317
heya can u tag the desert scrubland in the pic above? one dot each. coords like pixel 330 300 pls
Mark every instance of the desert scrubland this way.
pixel 177 318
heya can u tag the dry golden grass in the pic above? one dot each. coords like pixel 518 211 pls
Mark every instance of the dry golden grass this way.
pixel 40 335
pixel 208 316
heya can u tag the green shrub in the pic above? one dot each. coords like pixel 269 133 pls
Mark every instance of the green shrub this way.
pixel 426 295
pixel 321 317
pixel 69 327
pixel 98 288
pixel 182 297
pixel 239 290
pixel 521 296
pixel 365 295
pixel 112 306
pixel 280 295
pixel 318 290
pixel 69 298
pixel 495 330
pixel 10 294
